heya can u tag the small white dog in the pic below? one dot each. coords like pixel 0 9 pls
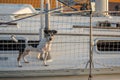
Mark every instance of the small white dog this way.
pixel 43 48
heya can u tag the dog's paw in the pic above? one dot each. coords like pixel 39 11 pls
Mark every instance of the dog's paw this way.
pixel 26 62
pixel 46 65
pixel 19 65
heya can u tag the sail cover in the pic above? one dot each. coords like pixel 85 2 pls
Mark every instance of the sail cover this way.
pixel 68 2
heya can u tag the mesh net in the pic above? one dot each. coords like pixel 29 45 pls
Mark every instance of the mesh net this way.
pixel 70 48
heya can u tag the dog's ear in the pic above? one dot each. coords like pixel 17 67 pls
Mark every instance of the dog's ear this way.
pixel 46 31
pixel 50 31
pixel 54 31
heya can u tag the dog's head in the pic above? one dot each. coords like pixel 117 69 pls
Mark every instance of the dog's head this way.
pixel 50 34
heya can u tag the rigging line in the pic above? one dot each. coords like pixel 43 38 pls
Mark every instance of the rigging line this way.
pixel 68 5
pixel 34 14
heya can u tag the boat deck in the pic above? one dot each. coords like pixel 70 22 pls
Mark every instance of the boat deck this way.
pixel 70 51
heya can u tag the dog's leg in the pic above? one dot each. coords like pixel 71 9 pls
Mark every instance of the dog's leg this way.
pixel 26 52
pixel 40 56
pixel 18 60
pixel 45 58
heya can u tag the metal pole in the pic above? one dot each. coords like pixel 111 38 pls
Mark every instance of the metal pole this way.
pixel 91 46
pixel 47 15
pixel 91 49
pixel 41 20
pixel 47 22
pixel 107 7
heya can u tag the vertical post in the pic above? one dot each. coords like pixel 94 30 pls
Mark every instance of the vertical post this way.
pixel 91 49
pixel 102 7
pixel 47 15
pixel 41 19
pixel 47 22
pixel 91 45
pixel 107 8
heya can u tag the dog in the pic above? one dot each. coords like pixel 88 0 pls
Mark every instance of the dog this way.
pixel 43 48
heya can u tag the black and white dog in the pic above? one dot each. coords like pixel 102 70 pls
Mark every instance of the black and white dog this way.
pixel 43 48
